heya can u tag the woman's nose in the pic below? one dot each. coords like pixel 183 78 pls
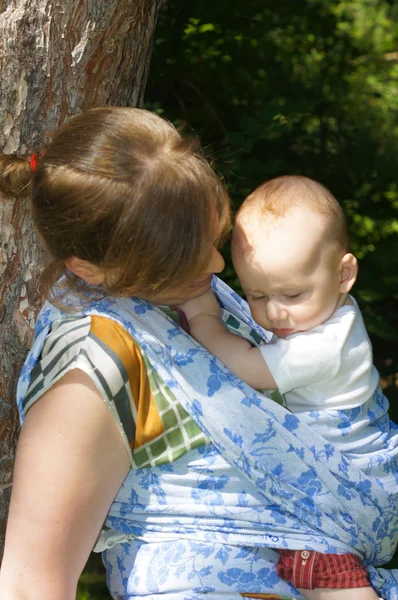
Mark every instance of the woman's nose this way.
pixel 216 262
pixel 275 312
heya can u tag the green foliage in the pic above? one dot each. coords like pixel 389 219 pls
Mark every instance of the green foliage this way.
pixel 92 584
pixel 304 87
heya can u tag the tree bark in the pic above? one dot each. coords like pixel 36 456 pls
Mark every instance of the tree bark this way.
pixel 57 57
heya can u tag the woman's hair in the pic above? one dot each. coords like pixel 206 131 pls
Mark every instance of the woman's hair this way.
pixel 122 189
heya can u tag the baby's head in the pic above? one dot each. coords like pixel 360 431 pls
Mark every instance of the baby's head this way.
pixel 290 249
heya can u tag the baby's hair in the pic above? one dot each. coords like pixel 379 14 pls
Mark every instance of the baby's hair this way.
pixel 122 189
pixel 277 197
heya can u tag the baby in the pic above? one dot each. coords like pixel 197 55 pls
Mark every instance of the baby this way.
pixel 290 250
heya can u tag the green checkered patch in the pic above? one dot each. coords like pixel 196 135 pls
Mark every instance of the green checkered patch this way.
pixel 181 433
pixel 240 328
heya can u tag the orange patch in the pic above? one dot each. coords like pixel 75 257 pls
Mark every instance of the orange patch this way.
pixel 148 424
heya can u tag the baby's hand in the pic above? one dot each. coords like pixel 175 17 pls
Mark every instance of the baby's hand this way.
pixel 206 304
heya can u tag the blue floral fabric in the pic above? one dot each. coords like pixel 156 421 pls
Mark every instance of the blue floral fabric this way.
pixel 191 529
pixel 204 526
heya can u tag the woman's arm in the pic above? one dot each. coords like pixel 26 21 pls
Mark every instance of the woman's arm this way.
pixel 70 464
pixel 203 314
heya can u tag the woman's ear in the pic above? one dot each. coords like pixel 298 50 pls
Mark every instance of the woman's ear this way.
pixel 84 269
pixel 348 272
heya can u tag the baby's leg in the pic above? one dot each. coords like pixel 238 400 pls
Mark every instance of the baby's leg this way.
pixel 325 576
pixel 362 593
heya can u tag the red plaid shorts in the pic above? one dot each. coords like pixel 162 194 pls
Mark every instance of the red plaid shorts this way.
pixel 308 570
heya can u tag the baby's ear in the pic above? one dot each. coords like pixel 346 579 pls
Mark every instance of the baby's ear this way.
pixel 348 272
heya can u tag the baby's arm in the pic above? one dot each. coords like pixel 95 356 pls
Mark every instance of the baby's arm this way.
pixel 204 316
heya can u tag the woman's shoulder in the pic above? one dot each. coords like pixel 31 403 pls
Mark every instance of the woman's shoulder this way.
pixel 102 349
pixel 98 340
pixel 154 426
pixel 76 329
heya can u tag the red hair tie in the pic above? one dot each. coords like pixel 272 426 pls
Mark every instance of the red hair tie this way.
pixel 33 161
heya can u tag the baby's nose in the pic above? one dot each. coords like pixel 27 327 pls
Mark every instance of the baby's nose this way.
pixel 275 312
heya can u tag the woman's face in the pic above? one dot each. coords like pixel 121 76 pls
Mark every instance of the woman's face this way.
pixel 97 276
pixel 183 293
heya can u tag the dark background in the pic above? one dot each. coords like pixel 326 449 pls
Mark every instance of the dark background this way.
pixel 306 87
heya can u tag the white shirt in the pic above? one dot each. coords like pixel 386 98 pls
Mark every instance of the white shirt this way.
pixel 327 367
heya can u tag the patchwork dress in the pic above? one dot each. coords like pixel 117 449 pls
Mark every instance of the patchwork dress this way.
pixel 220 474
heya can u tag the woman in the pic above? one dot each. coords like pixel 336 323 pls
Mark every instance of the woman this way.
pixel 121 445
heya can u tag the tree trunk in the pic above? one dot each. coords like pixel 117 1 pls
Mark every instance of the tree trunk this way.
pixel 57 57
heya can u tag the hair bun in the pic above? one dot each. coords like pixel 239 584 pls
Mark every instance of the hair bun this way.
pixel 15 175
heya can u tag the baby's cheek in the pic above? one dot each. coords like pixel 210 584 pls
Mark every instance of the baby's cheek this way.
pixel 258 314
